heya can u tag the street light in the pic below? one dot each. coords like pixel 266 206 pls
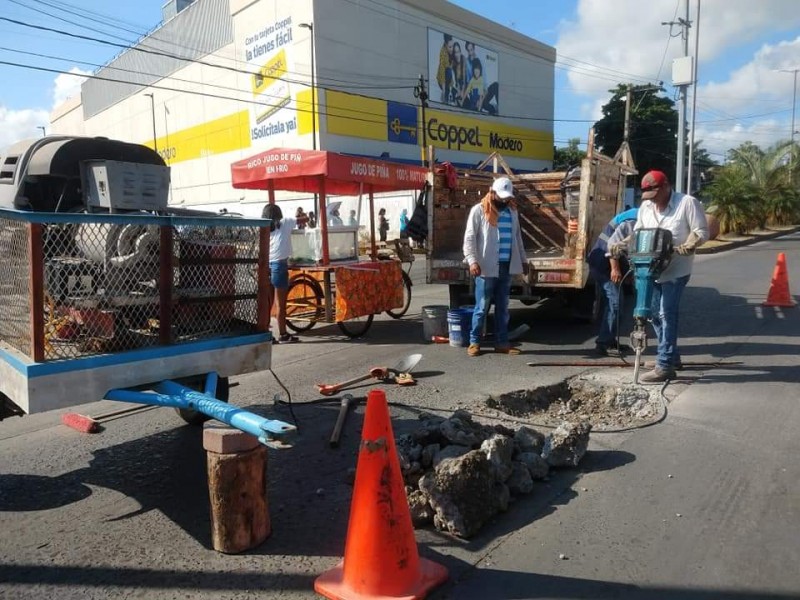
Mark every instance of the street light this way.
pixel 310 27
pixel 153 112
pixel 44 131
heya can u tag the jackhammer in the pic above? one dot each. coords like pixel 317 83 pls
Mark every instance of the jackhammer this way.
pixel 649 253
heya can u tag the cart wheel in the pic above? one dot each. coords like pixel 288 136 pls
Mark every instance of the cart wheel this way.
pixel 304 303
pixel 356 327
pixel 193 417
pixel 396 313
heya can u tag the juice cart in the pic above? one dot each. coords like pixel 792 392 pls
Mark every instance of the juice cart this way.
pixel 335 285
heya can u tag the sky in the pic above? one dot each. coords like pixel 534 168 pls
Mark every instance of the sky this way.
pixel 744 91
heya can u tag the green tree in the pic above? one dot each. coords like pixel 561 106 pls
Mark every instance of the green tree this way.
pixel 572 155
pixel 733 199
pixel 770 173
pixel 653 130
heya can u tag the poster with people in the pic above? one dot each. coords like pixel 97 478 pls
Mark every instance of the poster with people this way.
pixel 462 73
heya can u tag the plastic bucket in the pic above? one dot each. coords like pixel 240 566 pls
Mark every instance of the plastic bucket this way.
pixel 459 323
pixel 434 321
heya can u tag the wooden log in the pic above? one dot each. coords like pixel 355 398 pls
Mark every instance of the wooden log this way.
pixel 237 489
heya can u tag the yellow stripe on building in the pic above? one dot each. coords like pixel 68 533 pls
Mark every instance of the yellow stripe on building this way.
pixel 355 116
pixel 225 134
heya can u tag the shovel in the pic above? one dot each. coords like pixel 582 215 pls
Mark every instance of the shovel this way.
pixel 404 366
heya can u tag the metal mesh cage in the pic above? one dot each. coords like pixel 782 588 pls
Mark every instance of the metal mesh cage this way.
pixel 15 322
pixel 112 284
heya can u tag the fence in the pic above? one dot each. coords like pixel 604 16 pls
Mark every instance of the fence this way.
pixel 77 285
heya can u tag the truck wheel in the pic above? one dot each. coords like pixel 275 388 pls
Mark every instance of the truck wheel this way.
pixel 193 417
pixel 459 295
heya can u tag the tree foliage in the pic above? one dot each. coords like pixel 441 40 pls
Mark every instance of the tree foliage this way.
pixel 572 155
pixel 653 129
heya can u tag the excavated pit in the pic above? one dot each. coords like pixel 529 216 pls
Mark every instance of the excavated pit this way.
pixel 602 401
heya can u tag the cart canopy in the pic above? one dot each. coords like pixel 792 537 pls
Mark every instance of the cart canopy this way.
pixel 319 171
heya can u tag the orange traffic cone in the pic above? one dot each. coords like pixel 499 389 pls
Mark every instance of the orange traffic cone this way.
pixel 380 556
pixel 779 294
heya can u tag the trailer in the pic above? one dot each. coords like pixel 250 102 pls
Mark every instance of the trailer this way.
pixel 561 215
pixel 114 297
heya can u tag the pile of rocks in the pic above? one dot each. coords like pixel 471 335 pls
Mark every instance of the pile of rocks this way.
pixel 460 473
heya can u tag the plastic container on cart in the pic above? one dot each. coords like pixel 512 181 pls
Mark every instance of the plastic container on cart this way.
pixel 459 322
pixel 307 244
pixel 434 321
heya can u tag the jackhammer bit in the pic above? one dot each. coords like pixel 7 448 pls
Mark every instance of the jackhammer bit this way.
pixel 638 343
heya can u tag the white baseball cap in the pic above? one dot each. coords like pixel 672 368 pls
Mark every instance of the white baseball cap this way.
pixel 503 187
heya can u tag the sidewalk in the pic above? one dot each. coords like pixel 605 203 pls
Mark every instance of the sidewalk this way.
pixel 732 241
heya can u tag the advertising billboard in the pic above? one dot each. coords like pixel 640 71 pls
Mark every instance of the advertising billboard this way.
pixel 462 73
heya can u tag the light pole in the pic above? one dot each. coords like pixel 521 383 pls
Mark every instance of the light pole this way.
pixel 44 131
pixel 310 27
pixel 794 105
pixel 153 112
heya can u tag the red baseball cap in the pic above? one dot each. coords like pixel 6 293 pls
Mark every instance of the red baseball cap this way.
pixel 651 182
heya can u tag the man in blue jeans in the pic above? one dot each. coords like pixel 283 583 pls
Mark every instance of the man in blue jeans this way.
pixel 607 272
pixel 494 251
pixel 685 218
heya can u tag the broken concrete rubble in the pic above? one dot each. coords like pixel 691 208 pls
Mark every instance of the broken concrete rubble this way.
pixel 460 473
pixel 566 446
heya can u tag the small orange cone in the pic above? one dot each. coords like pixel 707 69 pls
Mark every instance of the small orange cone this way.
pixel 381 559
pixel 779 294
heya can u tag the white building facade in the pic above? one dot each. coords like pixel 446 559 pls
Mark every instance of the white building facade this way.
pixel 225 79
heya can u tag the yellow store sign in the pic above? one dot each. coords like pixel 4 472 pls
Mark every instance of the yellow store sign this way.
pixel 468 134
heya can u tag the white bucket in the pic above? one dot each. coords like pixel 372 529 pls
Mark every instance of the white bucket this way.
pixel 434 321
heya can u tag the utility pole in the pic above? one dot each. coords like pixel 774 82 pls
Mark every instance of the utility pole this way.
pixel 684 24
pixel 794 106
pixel 690 176
pixel 421 93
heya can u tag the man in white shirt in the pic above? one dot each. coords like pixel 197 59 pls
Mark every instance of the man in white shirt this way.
pixel 280 249
pixel 684 216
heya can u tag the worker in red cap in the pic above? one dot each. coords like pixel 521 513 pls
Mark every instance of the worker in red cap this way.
pixel 684 216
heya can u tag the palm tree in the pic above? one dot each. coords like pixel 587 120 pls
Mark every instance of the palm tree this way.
pixel 770 172
pixel 733 199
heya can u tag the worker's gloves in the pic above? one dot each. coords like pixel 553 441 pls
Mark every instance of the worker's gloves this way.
pixel 689 246
pixel 620 248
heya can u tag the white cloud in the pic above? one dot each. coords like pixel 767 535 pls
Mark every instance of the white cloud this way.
pixel 67 85
pixel 615 42
pixel 16 125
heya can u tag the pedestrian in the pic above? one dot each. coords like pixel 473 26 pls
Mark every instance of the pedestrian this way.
pixel 301 217
pixel 404 224
pixel 494 251
pixel 683 215
pixel 312 219
pixel 334 220
pixel 353 220
pixel 607 272
pixel 383 224
pixel 280 249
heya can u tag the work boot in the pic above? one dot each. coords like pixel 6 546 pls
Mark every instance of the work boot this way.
pixel 657 375
pixel 474 350
pixel 506 350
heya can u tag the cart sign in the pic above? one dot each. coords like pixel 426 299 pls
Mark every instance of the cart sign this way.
pixel 303 170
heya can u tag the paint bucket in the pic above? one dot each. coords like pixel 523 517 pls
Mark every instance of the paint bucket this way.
pixel 434 321
pixel 459 323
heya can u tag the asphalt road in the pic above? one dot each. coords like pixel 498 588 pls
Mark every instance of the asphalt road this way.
pixel 704 505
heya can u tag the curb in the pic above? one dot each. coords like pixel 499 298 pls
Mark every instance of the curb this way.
pixel 747 242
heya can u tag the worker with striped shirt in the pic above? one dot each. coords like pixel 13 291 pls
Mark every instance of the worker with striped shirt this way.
pixel 493 248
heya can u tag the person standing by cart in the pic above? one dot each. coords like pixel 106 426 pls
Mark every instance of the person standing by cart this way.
pixel 494 250
pixel 280 249
pixel 383 224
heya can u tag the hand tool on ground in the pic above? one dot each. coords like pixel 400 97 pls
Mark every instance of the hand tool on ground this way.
pixel 404 366
pixel 344 408
pixel 649 253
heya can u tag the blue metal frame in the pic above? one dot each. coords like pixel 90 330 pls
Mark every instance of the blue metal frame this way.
pixel 272 433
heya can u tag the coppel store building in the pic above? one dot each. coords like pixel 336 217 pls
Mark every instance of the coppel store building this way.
pixel 221 80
